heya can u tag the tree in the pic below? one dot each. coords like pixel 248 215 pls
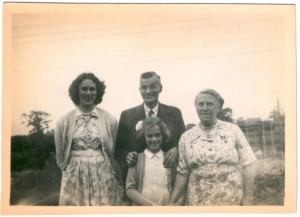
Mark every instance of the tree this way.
pixel 225 115
pixel 276 115
pixel 38 122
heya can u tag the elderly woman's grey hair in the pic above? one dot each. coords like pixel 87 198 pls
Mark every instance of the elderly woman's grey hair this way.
pixel 214 94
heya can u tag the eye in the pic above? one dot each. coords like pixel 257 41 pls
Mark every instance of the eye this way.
pixel 210 104
pixel 84 88
pixel 143 87
pixel 92 89
pixel 153 86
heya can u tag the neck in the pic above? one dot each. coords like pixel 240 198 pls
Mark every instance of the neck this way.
pixel 86 109
pixel 208 125
pixel 151 105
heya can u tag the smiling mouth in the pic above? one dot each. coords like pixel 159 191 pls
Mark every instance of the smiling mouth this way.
pixel 154 144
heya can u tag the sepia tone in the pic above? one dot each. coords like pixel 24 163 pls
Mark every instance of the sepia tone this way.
pixel 29 68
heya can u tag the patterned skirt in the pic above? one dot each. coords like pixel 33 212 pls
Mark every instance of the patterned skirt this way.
pixel 215 185
pixel 90 181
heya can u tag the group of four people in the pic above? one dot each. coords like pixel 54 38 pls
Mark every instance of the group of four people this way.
pixel 148 156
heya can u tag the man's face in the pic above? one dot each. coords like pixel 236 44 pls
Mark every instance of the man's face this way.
pixel 150 89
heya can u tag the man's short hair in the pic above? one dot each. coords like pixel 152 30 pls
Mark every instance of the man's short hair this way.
pixel 150 74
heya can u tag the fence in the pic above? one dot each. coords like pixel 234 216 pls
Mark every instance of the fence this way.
pixel 266 137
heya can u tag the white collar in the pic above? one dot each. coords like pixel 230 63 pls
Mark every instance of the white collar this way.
pixel 150 154
pixel 79 113
pixel 147 109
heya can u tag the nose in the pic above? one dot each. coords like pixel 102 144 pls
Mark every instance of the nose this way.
pixel 204 106
pixel 148 90
pixel 154 139
pixel 88 91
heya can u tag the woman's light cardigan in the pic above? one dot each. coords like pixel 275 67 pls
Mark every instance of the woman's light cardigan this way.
pixel 64 132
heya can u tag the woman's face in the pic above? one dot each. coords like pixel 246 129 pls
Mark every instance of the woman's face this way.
pixel 87 92
pixel 153 138
pixel 207 108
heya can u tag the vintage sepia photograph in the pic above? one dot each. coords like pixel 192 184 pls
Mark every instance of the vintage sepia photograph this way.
pixel 190 108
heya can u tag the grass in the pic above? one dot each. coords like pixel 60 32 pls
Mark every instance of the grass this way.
pixel 41 188
pixel 36 187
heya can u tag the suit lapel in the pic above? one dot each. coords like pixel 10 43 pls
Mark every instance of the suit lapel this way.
pixel 140 113
pixel 162 111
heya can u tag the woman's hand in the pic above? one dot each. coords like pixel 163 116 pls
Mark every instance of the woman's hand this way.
pixel 171 157
pixel 131 158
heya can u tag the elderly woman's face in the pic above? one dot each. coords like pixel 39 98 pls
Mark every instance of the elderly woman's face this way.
pixel 87 92
pixel 207 108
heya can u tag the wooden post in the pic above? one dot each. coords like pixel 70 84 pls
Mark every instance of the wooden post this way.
pixel 264 141
pixel 272 139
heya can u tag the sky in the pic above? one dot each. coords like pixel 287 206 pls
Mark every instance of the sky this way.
pixel 237 50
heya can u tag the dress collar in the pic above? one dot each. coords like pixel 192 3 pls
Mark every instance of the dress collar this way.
pixel 79 114
pixel 150 155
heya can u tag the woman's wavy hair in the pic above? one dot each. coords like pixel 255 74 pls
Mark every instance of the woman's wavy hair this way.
pixel 213 93
pixel 74 87
pixel 149 123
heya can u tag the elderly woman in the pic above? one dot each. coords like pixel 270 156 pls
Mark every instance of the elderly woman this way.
pixel 216 163
pixel 84 140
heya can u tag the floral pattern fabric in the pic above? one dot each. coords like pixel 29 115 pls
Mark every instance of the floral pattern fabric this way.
pixel 214 163
pixel 86 133
pixel 89 180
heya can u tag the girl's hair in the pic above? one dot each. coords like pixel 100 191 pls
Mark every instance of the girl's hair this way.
pixel 149 123
pixel 74 87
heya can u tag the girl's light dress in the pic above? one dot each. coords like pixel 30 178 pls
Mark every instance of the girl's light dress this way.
pixel 148 182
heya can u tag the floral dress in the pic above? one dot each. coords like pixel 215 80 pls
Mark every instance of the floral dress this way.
pixel 89 181
pixel 214 162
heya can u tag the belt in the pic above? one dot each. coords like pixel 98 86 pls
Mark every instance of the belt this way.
pixel 86 153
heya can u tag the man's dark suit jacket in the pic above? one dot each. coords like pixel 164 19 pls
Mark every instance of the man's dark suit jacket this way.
pixel 128 140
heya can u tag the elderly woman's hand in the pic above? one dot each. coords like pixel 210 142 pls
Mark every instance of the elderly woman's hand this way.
pixel 171 157
pixel 131 158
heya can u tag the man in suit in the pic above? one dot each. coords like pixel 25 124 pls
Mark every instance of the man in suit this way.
pixel 128 143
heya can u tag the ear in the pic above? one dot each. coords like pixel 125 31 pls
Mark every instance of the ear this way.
pixel 161 88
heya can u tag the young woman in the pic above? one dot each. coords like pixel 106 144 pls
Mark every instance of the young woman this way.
pixel 84 140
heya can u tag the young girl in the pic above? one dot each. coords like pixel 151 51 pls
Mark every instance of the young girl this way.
pixel 148 182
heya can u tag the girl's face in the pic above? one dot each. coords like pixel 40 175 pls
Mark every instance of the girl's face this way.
pixel 153 138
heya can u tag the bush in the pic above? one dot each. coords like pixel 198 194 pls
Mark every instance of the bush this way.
pixel 269 182
pixel 31 152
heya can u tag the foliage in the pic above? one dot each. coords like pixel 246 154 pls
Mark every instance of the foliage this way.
pixel 269 182
pixel 225 115
pixel 32 151
pixel 37 120
pixel 276 115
